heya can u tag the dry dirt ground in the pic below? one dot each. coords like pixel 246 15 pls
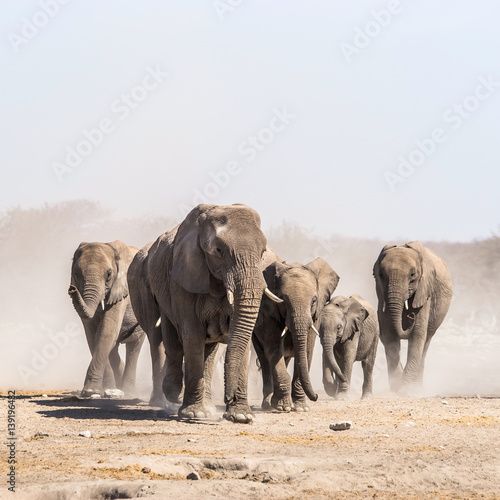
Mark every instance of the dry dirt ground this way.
pixel 431 448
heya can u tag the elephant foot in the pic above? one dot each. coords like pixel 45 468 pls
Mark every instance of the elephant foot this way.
pixel 129 391
pixel 342 396
pixel 300 405
pixel 194 411
pixel 210 406
pixel 283 404
pixel 266 404
pixel 88 392
pixel 330 389
pixel 239 414
pixel 158 401
pixel 410 390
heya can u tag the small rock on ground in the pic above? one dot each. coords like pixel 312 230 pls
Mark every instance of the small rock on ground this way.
pixel 341 426
pixel 193 475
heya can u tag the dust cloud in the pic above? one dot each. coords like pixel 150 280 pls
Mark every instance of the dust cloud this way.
pixel 44 345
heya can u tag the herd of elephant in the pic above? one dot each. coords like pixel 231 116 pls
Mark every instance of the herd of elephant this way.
pixel 213 279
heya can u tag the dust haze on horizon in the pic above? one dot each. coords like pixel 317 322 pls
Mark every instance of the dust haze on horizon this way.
pixel 345 126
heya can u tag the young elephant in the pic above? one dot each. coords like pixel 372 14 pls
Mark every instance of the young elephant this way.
pixel 99 292
pixel 286 329
pixel 348 332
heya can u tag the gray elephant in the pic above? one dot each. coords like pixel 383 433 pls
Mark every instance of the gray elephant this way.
pixel 414 291
pixel 303 291
pixel 348 332
pixel 99 292
pixel 201 284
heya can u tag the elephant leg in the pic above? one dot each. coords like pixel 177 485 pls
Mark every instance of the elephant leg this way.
pixel 281 399
pixel 118 367
pixel 173 353
pixel 413 368
pixel 345 355
pixel 424 354
pixel 263 364
pixel 133 349
pixel 210 355
pixel 105 340
pixel 90 334
pixel 368 363
pixel 394 368
pixel 193 335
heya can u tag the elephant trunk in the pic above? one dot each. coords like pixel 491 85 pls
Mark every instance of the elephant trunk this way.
pixel 331 362
pixel 300 332
pixel 86 306
pixel 247 291
pixel 396 299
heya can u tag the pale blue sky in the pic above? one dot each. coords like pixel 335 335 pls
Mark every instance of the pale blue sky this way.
pixel 325 167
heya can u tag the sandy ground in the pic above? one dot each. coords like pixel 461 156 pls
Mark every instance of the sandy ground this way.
pixel 397 448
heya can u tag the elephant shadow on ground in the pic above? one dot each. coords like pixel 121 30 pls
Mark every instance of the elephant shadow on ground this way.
pixel 106 409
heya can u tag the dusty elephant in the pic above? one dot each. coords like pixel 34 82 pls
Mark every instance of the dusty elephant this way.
pixel 204 281
pixel 99 292
pixel 348 332
pixel 414 291
pixel 303 290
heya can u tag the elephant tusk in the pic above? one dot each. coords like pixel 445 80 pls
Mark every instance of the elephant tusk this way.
pixel 284 331
pixel 158 323
pixel 315 331
pixel 383 307
pixel 272 296
pixel 102 304
pixel 406 304
pixel 230 297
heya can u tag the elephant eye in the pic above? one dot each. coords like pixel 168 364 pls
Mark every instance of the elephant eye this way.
pixel 218 251
pixel 108 274
pixel 339 327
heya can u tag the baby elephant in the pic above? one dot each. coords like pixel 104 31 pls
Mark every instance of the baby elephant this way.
pixel 99 292
pixel 349 332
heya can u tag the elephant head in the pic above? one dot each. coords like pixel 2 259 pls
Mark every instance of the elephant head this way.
pixel 340 320
pixel 304 290
pixel 404 277
pixel 217 250
pixel 99 276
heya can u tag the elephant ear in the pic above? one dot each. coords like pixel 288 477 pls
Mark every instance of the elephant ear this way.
pixel 270 276
pixel 189 269
pixel 427 272
pixel 123 257
pixel 355 315
pixel 328 280
pixel 378 284
pixel 271 273
pixel 381 256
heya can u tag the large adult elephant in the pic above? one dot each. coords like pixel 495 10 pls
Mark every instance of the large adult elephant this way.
pixel 99 292
pixel 202 284
pixel 414 292
pixel 348 332
pixel 303 291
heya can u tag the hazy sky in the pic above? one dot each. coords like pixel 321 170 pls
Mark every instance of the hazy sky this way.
pixel 366 118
